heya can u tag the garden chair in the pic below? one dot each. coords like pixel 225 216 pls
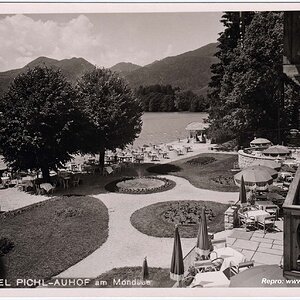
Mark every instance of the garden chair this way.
pixel 245 265
pixel 248 222
pixel 108 170
pixel 267 223
pixel 76 181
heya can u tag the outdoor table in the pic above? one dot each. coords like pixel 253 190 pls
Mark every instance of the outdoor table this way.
pixel 47 187
pixel 5 179
pixel 28 178
pixel 268 206
pixel 210 279
pixel 258 215
pixel 231 257
pixel 188 148
pixel 65 181
pixel 154 157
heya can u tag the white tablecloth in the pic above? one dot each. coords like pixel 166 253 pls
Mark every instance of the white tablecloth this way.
pixel 231 257
pixel 5 179
pixel 258 215
pixel 211 279
pixel 47 186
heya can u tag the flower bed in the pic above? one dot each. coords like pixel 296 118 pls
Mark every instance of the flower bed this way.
pixel 159 219
pixel 155 185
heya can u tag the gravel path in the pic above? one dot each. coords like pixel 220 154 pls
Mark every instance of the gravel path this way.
pixel 126 246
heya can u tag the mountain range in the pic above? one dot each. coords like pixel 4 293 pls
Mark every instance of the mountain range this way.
pixel 190 70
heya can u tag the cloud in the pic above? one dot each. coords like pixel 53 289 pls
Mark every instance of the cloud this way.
pixel 23 39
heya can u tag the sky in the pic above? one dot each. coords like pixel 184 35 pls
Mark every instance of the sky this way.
pixel 104 39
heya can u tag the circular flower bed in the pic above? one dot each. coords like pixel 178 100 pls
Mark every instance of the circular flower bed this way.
pixel 186 213
pixel 159 219
pixel 140 185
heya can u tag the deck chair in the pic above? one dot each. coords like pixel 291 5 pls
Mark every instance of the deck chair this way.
pixel 108 170
pixel 267 223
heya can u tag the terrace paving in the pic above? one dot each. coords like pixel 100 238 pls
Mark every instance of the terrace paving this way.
pixel 258 246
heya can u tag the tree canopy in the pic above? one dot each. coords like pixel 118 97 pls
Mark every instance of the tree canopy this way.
pixel 113 112
pixel 39 122
pixel 253 96
pixel 165 98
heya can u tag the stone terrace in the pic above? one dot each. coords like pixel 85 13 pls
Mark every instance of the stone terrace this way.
pixel 257 246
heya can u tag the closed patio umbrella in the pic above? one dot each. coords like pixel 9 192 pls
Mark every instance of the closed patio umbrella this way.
pixel 243 195
pixel 145 270
pixel 203 246
pixel 177 267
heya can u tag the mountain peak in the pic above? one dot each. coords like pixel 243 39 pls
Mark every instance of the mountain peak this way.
pixel 125 67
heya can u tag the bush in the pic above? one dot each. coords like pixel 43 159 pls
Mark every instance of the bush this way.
pixel 164 169
pixel 5 246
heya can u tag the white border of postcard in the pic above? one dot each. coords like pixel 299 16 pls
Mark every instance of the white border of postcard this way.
pixel 38 8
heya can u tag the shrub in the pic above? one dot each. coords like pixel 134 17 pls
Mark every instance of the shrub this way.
pixel 164 169
pixel 5 246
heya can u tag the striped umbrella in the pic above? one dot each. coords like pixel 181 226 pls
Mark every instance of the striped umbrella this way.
pixel 177 267
pixel 243 195
pixel 145 270
pixel 203 246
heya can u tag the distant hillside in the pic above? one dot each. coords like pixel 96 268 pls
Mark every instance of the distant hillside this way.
pixel 124 68
pixel 190 70
pixel 72 68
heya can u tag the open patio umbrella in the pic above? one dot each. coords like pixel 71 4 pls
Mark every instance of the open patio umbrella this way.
pixel 253 277
pixel 271 171
pixel 203 246
pixel 260 142
pixel 242 195
pixel 277 150
pixel 254 178
pixel 145 270
pixel 177 267
pixel 267 163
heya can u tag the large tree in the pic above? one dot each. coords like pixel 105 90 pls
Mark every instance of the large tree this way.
pixel 39 122
pixel 113 112
pixel 252 86
pixel 235 25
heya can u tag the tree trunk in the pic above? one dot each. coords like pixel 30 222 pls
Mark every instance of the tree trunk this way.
pixel 101 160
pixel 46 174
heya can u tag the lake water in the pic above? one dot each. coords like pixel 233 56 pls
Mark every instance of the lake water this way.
pixel 166 127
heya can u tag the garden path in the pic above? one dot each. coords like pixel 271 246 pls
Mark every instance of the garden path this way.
pixel 125 245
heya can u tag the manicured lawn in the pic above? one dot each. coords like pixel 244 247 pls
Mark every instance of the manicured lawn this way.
pixel 151 219
pixel 158 277
pixel 207 171
pixel 53 235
